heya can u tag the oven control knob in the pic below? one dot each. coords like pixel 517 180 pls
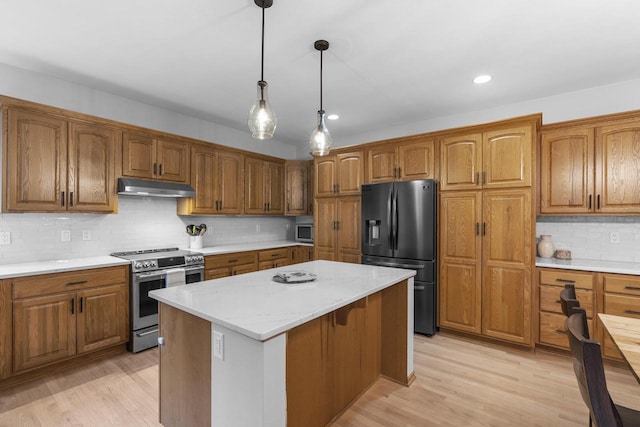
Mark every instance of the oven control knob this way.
pixel 137 266
pixel 153 264
pixel 146 264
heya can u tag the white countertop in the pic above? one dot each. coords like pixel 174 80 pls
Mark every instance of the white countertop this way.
pixel 254 305
pixel 252 246
pixel 58 266
pixel 591 265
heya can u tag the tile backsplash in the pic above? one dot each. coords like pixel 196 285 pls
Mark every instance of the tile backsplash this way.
pixel 141 223
pixel 592 239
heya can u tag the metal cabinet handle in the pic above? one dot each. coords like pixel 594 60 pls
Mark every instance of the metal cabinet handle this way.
pixel 484 177
pixel 160 169
pixel 71 199
pixel 632 312
pixel 565 280
pixel 477 228
pixel 80 282
pixel 590 197
pixel 73 305
pixel 62 198
pixel 477 178
pixel 633 288
pixel 598 202
pixel 399 172
pixel 484 228
pixel 561 331
pixel 81 298
pixel 232 261
pixel 155 168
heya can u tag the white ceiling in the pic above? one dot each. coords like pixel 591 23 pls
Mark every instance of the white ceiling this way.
pixel 389 62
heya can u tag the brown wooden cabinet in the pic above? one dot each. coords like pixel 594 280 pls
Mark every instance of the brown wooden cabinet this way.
pixel 620 296
pixel 485 263
pixel 57 165
pixel 273 258
pixel 150 156
pixel 340 174
pixel 217 266
pixel 264 187
pixel 590 168
pixel 496 158
pixel 401 160
pixel 337 229
pixel 298 254
pixel 58 316
pixel 297 177
pixel 218 178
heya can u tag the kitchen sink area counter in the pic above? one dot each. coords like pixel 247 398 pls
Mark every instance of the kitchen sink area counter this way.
pixel 246 350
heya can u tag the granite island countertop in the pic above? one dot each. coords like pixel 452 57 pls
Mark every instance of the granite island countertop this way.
pixel 254 305
pixel 619 267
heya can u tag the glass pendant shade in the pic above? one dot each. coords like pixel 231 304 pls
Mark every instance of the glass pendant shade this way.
pixel 262 119
pixel 320 140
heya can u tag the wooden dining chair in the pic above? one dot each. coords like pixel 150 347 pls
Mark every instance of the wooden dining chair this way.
pixel 570 304
pixel 589 371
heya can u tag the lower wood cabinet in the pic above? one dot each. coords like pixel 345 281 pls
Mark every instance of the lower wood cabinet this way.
pixel 273 258
pixel 57 316
pixel 217 266
pixel 298 254
pixel 621 297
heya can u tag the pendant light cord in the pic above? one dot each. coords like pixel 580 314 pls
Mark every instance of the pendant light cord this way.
pixel 320 80
pixel 262 51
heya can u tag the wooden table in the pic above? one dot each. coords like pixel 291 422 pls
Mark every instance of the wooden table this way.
pixel 625 332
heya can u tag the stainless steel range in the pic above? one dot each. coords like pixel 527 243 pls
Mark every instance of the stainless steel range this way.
pixel 155 269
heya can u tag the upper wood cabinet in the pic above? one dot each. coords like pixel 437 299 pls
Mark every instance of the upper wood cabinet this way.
pixel 339 174
pixel 264 187
pixel 297 185
pixel 57 165
pixel 402 160
pixel 148 157
pixel 500 158
pixel 591 169
pixel 218 178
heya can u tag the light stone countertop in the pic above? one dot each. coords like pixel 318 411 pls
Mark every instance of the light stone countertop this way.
pixel 58 266
pixel 619 267
pixel 254 305
pixel 253 246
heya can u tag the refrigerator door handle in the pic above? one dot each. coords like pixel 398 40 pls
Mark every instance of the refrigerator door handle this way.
pixel 390 219
pixel 395 220
pixel 395 264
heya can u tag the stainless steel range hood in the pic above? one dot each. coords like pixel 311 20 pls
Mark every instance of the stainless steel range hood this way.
pixel 143 187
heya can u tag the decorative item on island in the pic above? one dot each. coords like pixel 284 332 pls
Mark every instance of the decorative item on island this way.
pixel 546 247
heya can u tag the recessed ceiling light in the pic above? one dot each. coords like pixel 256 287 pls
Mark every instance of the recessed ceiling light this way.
pixel 482 79
pixel 333 117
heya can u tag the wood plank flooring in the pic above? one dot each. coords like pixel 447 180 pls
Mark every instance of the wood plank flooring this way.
pixel 459 382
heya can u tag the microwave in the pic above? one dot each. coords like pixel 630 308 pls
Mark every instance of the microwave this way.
pixel 304 233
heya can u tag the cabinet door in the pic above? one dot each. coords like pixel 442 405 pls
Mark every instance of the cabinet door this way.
pixel 325 228
pixel 204 176
pixel 102 317
pixel 417 160
pixel 36 176
pixel 350 173
pixel 566 171
pixel 506 296
pixel 381 164
pixel 325 176
pixel 173 160
pixel 618 168
pixel 297 177
pixel 138 156
pixel 506 158
pixel 230 182
pixel 275 188
pixel 460 261
pixel 461 162
pixel 44 330
pixel 91 179
pixel 254 190
pixel 348 229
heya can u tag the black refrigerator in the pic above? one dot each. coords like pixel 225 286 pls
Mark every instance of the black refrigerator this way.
pixel 399 230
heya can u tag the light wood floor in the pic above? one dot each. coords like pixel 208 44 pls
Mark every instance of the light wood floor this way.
pixel 459 382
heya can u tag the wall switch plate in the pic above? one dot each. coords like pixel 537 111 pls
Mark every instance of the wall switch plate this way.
pixel 614 237
pixel 5 238
pixel 257 228
pixel 218 345
pixel 65 235
pixel 86 234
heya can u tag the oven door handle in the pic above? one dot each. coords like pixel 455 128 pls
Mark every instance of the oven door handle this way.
pixel 150 274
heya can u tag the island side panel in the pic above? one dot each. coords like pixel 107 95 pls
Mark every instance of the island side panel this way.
pixel 185 368
pixel 397 332
pixel 248 383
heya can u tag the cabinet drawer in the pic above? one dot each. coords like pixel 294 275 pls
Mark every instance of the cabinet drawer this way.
pixel 241 269
pixel 218 261
pixel 273 254
pixel 629 285
pixel 622 305
pixel 559 278
pixel 550 299
pixel 552 329
pixel 45 284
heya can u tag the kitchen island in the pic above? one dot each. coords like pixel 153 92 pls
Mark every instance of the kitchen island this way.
pixel 248 351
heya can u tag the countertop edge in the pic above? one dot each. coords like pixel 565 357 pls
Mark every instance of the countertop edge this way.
pixel 596 266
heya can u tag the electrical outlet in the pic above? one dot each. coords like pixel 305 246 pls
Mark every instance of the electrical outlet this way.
pixel 257 228
pixel 5 238
pixel 218 345
pixel 288 226
pixel 614 237
pixel 86 234
pixel 65 235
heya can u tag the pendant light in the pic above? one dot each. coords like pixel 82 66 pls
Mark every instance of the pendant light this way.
pixel 262 119
pixel 320 140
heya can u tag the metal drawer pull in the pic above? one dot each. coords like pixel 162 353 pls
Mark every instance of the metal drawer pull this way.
pixel 558 301
pixel 232 260
pixel 561 331
pixel 632 312
pixel 565 281
pixel 144 334
pixel 81 282
pixel 633 288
